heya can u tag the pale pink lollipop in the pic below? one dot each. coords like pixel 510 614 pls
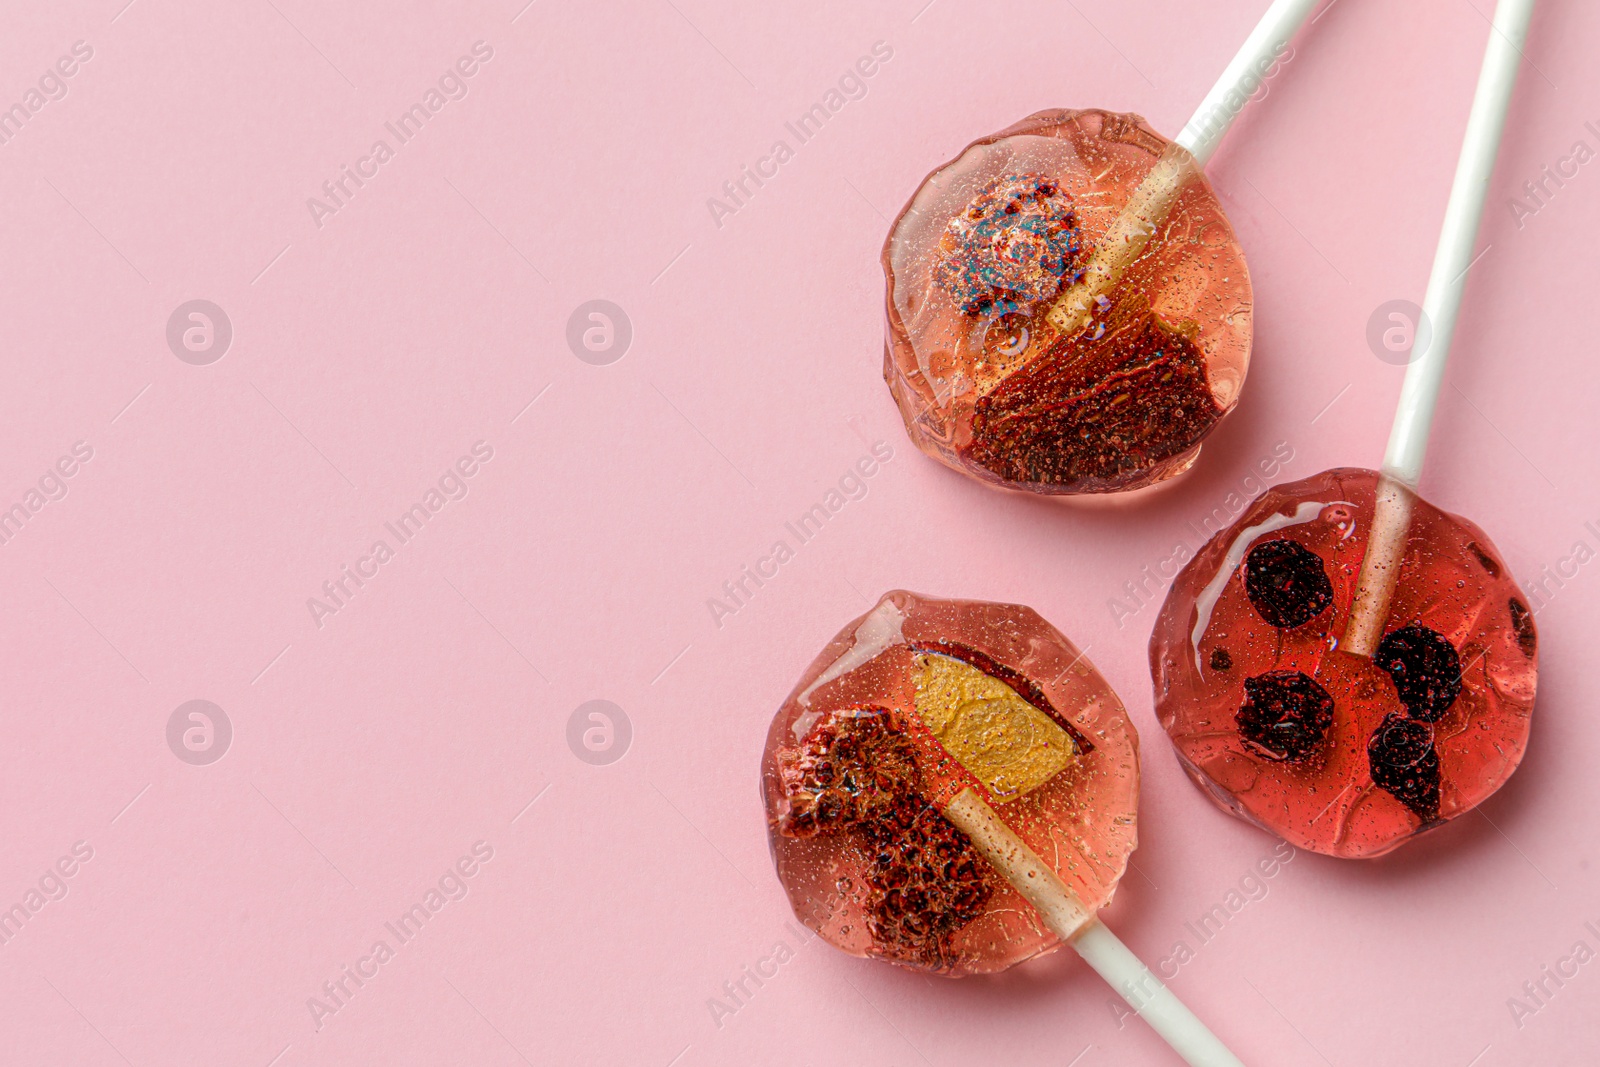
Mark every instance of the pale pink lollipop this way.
pixel 1068 308
pixel 951 786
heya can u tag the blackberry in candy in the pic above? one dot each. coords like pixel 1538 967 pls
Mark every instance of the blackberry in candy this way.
pixel 1484 559
pixel 1285 715
pixel 1425 668
pixel 1404 764
pixel 1220 660
pixel 1522 626
pixel 857 775
pixel 1287 583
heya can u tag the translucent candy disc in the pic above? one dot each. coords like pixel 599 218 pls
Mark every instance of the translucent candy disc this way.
pixel 911 703
pixel 995 372
pixel 1337 753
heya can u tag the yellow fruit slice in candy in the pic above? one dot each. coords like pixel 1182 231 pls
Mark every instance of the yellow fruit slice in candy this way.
pixel 1001 739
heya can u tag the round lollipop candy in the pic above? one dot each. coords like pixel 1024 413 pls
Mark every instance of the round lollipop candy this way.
pixel 1068 308
pixel 1347 665
pixel 924 768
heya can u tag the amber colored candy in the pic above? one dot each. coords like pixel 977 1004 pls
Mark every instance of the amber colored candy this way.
pixel 981 254
pixel 1333 752
pixel 856 770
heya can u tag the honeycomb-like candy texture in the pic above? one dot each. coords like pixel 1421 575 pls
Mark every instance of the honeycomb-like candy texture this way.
pixel 856 775
pixel 980 254
pixel 854 783
pixel 1333 752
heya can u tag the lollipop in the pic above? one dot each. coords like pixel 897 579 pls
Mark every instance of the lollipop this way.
pixel 923 768
pixel 1068 308
pixel 1347 665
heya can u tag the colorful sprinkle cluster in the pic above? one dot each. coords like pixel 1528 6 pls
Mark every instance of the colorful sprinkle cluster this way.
pixel 1013 245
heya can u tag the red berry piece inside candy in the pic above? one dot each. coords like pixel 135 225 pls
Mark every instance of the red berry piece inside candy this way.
pixel 1086 416
pixel 849 772
pixel 857 775
pixel 926 882
pixel 1404 764
pixel 1287 583
pixel 1425 669
pixel 1286 714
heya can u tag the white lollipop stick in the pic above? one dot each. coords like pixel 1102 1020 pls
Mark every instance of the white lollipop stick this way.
pixel 1242 77
pixel 1070 920
pixel 1419 394
pixel 1149 204
pixel 1146 994
pixel 1013 748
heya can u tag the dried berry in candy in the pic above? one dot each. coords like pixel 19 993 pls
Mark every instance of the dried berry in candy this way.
pixel 1403 763
pixel 1285 714
pixel 1425 669
pixel 1287 584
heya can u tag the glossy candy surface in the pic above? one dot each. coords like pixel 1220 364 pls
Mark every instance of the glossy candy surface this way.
pixel 973 264
pixel 1337 753
pixel 908 705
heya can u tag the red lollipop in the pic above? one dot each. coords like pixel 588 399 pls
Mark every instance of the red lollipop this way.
pixel 1347 665
pixel 1339 753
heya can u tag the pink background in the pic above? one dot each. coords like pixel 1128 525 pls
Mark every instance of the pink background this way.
pixel 369 754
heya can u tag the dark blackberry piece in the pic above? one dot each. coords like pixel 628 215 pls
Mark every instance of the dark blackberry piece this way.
pixel 1287 583
pixel 1220 660
pixel 1425 668
pixel 1522 626
pixel 1286 714
pixel 1404 764
pixel 1486 560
